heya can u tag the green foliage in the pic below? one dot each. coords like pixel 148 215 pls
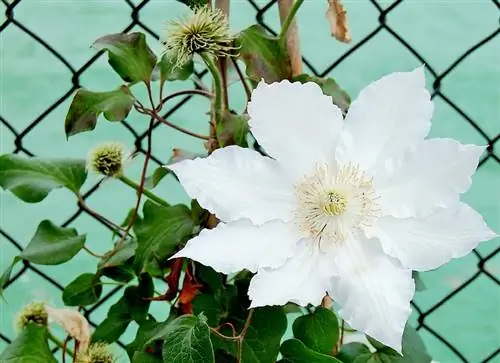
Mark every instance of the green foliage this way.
pixel 194 4
pixel 419 284
pixel 128 55
pixel 160 232
pixel 294 351
pixel 53 245
pixel 84 290
pixel 330 88
pixel 30 346
pixel 87 106
pixel 169 71
pixel 6 274
pixel 232 130
pixel 265 57
pixel 187 340
pixel 413 350
pixel 32 179
pixel 350 351
pixel 319 330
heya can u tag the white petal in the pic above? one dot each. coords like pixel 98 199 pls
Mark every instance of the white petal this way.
pixel 235 183
pixel 295 123
pixel 388 115
pixel 303 279
pixel 241 245
pixel 430 174
pixel 372 290
pixel 424 244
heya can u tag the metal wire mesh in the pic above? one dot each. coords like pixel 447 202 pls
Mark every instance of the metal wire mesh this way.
pixel 260 14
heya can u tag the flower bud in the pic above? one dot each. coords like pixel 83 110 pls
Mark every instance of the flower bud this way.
pixel 32 313
pixel 207 30
pixel 96 353
pixel 107 159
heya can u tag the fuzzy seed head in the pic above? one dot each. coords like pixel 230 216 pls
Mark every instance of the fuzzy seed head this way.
pixel 107 159
pixel 207 30
pixel 96 353
pixel 32 313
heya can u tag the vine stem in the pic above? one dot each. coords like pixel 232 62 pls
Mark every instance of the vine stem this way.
pixel 157 117
pixel 60 344
pixel 90 252
pixel 106 221
pixel 200 92
pixel 145 191
pixel 248 91
pixel 289 19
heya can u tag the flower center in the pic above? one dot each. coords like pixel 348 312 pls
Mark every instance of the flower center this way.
pixel 336 203
pixel 333 201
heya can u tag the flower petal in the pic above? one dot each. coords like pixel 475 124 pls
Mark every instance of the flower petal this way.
pixel 295 123
pixel 425 244
pixel 302 279
pixel 372 290
pixel 430 174
pixel 234 246
pixel 388 115
pixel 236 183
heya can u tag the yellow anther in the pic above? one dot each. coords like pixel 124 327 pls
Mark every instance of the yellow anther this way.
pixel 335 204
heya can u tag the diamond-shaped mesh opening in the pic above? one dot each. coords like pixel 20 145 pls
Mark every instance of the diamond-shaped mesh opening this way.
pixel 379 26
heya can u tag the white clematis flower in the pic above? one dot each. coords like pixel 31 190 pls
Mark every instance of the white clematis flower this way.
pixel 345 207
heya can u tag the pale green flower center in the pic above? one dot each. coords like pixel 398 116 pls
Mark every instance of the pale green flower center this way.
pixel 336 203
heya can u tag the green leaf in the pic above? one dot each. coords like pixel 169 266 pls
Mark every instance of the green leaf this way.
pixel 210 306
pixel 30 346
pixel 31 179
pixel 139 349
pixel 6 274
pixel 233 130
pixel 53 245
pixel 124 253
pixel 264 56
pixel 194 4
pixel 319 330
pixel 160 232
pixel 419 284
pixel 350 351
pixel 82 291
pixel 294 351
pixel 263 337
pixel 120 266
pixel 153 180
pixel 145 357
pixel 129 55
pixel 330 88
pixel 413 349
pixel 111 329
pixel 168 71
pixel 187 340
pixel 87 106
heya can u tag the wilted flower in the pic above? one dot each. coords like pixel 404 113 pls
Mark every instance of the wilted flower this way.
pixel 96 353
pixel 107 159
pixel 207 30
pixel 32 313
pixel 73 323
pixel 349 208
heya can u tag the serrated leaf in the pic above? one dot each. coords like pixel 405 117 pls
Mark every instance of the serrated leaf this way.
pixel 6 274
pixel 187 340
pixel 160 231
pixel 128 55
pixel 30 346
pixel 53 245
pixel 84 290
pixel 350 351
pixel 263 337
pixel 264 56
pixel 87 106
pixel 319 330
pixel 330 88
pixel 169 72
pixel 233 130
pixel 31 179
pixel 294 351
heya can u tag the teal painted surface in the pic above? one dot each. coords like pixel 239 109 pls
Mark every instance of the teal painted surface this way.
pixel 32 79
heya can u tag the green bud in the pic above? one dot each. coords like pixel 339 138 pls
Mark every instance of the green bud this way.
pixel 96 353
pixel 32 313
pixel 107 159
pixel 206 31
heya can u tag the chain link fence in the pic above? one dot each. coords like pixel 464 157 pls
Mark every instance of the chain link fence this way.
pixel 261 10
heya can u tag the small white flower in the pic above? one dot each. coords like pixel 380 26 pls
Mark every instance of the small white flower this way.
pixel 345 207
pixel 73 323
